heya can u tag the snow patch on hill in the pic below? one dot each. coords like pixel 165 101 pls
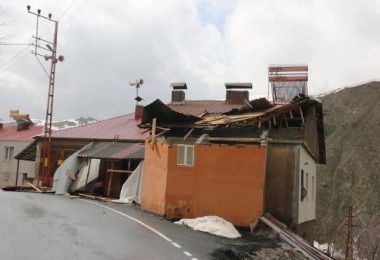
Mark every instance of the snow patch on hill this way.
pixel 59 125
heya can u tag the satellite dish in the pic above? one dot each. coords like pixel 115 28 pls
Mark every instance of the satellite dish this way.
pixel 61 58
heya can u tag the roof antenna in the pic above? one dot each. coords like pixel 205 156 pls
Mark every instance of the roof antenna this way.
pixel 138 83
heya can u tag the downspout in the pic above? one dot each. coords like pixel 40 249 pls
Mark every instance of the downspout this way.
pixel 18 164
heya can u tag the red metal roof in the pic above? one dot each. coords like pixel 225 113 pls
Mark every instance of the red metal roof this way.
pixel 8 132
pixel 121 127
pixel 203 107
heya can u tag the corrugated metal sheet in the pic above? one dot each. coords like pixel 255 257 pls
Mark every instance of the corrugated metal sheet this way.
pixel 28 153
pixel 292 239
pixel 121 127
pixel 203 107
pixel 113 150
pixel 8 132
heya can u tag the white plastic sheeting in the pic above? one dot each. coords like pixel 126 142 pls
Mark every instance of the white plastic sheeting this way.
pixel 131 189
pixel 61 180
pixel 211 224
pixel 87 176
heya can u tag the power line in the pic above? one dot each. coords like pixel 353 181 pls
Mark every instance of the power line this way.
pixel 13 44
pixel 15 56
pixel 74 12
pixel 17 61
pixel 69 7
pixel 47 74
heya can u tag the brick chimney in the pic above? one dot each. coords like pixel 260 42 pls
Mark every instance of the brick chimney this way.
pixel 235 93
pixel 139 109
pixel 178 93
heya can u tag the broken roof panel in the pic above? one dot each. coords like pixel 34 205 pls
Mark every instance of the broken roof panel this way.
pixel 113 150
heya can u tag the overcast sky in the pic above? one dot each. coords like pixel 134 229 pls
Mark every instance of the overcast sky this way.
pixel 107 44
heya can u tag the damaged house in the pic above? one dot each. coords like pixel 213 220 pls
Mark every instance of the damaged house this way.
pixel 237 159
pixel 101 155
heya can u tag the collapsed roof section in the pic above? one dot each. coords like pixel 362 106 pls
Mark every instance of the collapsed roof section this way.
pixel 285 121
pixel 165 115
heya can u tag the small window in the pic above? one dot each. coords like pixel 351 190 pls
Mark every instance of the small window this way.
pixel 9 153
pixel 185 155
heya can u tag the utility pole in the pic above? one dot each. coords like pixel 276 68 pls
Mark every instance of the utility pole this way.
pixel 45 177
pixel 349 248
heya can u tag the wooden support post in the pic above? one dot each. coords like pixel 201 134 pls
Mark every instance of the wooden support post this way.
pixel 286 121
pixel 110 180
pixel 154 131
pixel 291 114
pixel 270 124
pixel 303 119
pixel 188 134
pixel 259 124
pixel 274 120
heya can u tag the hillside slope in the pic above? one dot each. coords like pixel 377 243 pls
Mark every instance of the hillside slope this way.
pixel 351 176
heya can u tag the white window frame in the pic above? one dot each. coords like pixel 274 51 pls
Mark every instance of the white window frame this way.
pixel 188 155
pixel 9 150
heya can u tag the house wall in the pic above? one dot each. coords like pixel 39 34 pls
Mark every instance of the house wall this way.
pixel 281 182
pixel 311 133
pixel 153 188
pixel 306 209
pixel 227 181
pixel 8 169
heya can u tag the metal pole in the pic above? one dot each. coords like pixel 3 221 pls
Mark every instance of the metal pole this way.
pixel 46 145
pixel 49 111
pixel 349 247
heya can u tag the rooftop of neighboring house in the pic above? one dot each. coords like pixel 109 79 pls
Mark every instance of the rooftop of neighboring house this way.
pixel 123 127
pixel 10 132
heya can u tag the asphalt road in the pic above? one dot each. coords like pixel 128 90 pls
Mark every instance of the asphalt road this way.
pixel 41 226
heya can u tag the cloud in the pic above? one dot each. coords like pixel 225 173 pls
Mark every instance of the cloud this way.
pixel 205 43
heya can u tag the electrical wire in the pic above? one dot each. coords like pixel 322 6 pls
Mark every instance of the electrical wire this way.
pixel 17 61
pixel 39 61
pixel 69 7
pixel 67 21
pixel 15 56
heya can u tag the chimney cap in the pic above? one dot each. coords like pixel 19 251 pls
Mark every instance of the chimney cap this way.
pixel 178 85
pixel 241 85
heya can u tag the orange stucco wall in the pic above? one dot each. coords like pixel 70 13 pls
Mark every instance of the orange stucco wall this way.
pixel 227 181
pixel 154 178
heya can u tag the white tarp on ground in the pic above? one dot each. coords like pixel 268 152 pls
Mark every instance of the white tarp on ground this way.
pixel 211 224
pixel 131 189
pixel 86 178
pixel 61 180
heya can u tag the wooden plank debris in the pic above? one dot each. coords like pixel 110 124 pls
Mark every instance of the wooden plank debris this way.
pixel 119 171
pixel 238 139
pixel 34 187
pixel 72 196
pixel 93 197
pixel 188 134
